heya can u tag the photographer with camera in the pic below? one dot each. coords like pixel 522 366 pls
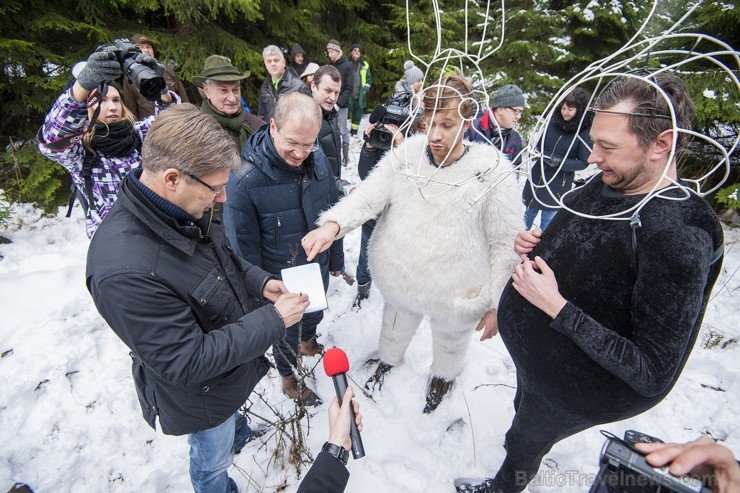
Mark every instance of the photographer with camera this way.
pixel 382 134
pixel 93 135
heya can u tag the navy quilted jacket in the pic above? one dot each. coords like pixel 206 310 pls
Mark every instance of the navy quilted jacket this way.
pixel 270 206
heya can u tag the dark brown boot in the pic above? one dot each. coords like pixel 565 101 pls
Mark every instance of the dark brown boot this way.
pixel 438 388
pixel 307 396
pixel 311 347
pixel 375 382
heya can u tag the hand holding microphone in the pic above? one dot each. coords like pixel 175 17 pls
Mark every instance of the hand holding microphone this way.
pixel 336 366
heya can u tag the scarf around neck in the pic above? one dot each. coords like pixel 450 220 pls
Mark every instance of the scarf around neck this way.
pixel 236 123
pixel 117 139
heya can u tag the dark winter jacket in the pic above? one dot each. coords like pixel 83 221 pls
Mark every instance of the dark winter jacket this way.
pixel 635 304
pixel 272 205
pixel 348 80
pixel 561 161
pixel 297 68
pixel 331 141
pixel 327 475
pixel 268 95
pixel 177 296
pixel 506 139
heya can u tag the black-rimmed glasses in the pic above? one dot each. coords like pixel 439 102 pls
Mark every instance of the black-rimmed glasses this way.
pixel 516 111
pixel 212 189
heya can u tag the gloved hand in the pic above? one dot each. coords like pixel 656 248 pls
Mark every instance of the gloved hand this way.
pixel 553 162
pixel 100 67
pixel 151 62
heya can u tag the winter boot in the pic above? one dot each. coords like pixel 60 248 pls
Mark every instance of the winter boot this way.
pixel 353 132
pixel 345 154
pixel 363 292
pixel 438 388
pixel 465 485
pixel 307 396
pixel 311 347
pixel 375 382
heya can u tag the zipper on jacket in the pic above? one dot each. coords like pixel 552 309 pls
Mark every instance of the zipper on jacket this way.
pixel 277 232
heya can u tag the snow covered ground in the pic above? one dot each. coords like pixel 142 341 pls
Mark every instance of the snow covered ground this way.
pixel 70 420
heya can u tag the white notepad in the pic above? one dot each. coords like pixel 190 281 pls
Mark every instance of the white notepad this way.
pixel 307 279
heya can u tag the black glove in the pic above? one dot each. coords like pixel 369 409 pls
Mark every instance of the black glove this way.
pixel 553 162
pixel 100 67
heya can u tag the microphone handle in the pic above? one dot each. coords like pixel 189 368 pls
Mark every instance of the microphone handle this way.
pixel 340 385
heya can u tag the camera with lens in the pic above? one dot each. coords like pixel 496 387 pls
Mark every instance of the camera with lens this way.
pixel 624 469
pixel 145 78
pixel 396 111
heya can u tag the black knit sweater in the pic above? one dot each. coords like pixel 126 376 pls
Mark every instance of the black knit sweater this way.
pixel 633 312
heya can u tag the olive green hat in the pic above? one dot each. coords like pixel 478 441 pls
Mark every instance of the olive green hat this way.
pixel 219 68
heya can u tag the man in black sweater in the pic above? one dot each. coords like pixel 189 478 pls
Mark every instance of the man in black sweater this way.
pixel 601 315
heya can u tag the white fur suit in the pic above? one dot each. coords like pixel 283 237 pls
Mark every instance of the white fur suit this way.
pixel 432 253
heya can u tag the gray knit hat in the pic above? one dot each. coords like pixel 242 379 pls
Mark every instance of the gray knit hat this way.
pixel 413 73
pixel 508 96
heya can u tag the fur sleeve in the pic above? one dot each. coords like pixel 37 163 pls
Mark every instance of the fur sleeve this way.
pixel 502 220
pixel 365 202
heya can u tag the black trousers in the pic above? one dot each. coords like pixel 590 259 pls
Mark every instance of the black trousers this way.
pixel 537 426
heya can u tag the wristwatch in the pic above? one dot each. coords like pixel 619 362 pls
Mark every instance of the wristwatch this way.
pixel 341 453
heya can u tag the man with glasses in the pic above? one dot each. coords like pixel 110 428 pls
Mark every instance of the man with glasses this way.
pixel 275 198
pixel 601 315
pixel 166 280
pixel 496 125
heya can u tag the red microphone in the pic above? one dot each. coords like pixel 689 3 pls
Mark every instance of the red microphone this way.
pixel 336 365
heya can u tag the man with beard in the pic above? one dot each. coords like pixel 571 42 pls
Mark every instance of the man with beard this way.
pixel 601 315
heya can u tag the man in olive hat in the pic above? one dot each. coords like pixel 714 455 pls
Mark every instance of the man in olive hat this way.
pixel 220 82
pixel 135 102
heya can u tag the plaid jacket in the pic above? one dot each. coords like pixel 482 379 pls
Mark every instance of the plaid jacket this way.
pixel 68 117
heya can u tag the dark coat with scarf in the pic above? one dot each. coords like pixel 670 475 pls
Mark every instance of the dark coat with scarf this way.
pixel 271 206
pixel 567 153
pixel 636 299
pixel 178 297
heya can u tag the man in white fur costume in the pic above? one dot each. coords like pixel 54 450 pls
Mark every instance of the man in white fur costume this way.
pixel 442 245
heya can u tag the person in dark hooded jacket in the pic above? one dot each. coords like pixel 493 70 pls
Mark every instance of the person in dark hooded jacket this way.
pixel 565 149
pixel 298 60
pixel 276 196
pixel 342 63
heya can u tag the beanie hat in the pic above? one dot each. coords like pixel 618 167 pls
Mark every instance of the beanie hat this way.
pixel 333 44
pixel 508 96
pixel 356 45
pixel 310 69
pixel 413 73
